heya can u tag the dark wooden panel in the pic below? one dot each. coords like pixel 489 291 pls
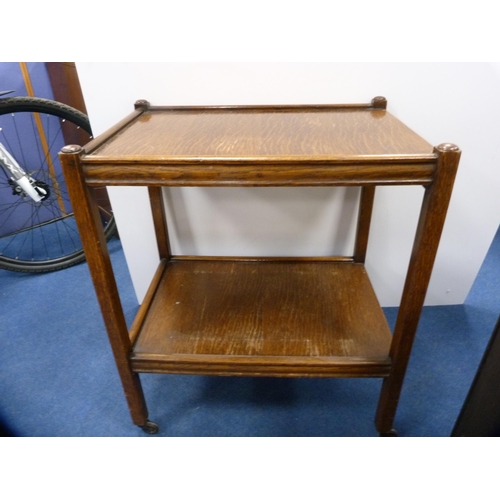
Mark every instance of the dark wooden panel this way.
pixel 480 414
pixel 66 89
pixel 266 309
pixel 66 84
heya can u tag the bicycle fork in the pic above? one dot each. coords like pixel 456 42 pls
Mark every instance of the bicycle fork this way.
pixel 23 184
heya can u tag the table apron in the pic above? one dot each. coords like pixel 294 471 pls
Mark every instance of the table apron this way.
pixel 270 175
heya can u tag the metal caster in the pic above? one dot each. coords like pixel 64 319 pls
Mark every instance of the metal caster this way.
pixel 150 427
pixel 391 433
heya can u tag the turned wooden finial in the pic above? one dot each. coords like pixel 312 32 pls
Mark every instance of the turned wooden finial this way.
pixel 141 103
pixel 72 149
pixel 447 147
pixel 379 102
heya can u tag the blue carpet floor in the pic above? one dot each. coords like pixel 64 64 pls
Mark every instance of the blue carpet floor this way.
pixel 58 377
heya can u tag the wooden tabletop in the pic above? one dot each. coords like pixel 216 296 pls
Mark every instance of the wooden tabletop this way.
pixel 294 133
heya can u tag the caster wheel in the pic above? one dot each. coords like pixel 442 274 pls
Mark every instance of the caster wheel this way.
pixel 391 433
pixel 150 427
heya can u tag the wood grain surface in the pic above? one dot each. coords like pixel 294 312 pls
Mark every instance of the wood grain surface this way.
pixel 264 309
pixel 269 133
pixel 364 171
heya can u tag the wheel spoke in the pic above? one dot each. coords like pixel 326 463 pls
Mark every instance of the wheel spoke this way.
pixel 36 235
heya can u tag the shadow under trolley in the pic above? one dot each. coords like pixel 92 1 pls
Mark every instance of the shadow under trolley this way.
pixel 262 316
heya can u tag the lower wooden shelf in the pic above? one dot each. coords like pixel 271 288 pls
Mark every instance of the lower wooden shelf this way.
pixel 261 318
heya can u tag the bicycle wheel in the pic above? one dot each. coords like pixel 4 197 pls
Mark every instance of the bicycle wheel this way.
pixel 41 236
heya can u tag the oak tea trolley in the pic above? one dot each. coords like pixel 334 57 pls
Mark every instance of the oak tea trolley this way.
pixel 262 316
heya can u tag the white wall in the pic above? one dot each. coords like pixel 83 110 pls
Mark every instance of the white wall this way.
pixel 443 102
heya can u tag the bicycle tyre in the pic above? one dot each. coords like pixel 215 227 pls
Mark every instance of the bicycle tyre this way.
pixel 42 237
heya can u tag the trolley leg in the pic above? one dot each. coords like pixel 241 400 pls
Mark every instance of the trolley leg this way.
pixel 96 251
pixel 430 225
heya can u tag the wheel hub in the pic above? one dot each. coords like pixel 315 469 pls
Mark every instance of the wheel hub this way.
pixel 41 187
